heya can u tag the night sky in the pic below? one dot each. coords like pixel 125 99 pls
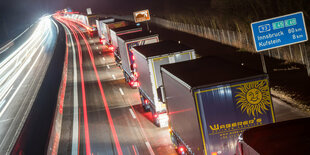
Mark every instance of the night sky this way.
pixel 16 15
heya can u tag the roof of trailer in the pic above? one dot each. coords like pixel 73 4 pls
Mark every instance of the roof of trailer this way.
pixel 161 48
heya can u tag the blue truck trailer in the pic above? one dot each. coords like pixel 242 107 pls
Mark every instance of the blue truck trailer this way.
pixel 210 102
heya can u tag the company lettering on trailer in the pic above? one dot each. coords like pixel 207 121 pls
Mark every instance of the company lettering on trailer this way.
pixel 226 111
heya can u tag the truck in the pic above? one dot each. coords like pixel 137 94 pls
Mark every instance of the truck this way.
pixel 106 30
pixel 149 58
pixel 115 32
pixel 99 24
pixel 126 43
pixel 290 137
pixel 211 101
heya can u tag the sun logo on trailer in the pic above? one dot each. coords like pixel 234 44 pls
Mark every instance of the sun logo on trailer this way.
pixel 254 97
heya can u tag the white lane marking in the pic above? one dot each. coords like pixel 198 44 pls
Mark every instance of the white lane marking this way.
pixel 113 76
pixel 97 47
pixel 148 145
pixel 103 58
pixel 21 83
pixel 121 90
pixel 108 66
pixel 75 100
pixel 132 114
pixel 74 149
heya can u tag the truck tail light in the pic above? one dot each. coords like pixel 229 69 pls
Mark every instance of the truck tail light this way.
pixel 146 101
pixel 133 57
pixel 170 130
pixel 134 65
pixel 135 83
pixel 136 74
pixel 102 41
pixel 213 153
pixel 111 48
pixel 156 115
pixel 181 150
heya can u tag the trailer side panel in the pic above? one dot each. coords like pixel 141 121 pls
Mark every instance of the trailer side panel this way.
pixel 226 110
pixel 182 113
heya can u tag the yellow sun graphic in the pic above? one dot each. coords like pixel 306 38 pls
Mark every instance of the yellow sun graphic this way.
pixel 254 97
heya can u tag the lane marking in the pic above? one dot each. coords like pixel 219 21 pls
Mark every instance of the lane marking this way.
pixel 132 114
pixel 114 134
pixel 121 90
pixel 75 125
pixel 103 58
pixel 97 47
pixel 148 145
pixel 113 76
pixel 108 66
pixel 86 127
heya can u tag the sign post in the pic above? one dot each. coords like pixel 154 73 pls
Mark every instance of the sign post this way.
pixel 142 16
pixel 278 32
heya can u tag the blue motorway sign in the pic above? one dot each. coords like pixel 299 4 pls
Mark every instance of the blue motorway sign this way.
pixel 279 31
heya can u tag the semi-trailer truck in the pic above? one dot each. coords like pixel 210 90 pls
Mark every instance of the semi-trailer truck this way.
pixel 106 29
pixel 115 32
pixel 211 101
pixel 99 23
pixel 125 43
pixel 149 58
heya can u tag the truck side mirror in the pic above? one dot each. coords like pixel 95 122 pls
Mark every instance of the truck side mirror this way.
pixel 161 94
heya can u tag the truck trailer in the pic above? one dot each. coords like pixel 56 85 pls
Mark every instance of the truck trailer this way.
pixel 115 32
pixel 211 101
pixel 99 24
pixel 106 29
pixel 149 58
pixel 126 43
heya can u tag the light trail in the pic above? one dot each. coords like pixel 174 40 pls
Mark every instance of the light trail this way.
pixel 87 141
pixel 114 134
pixel 12 67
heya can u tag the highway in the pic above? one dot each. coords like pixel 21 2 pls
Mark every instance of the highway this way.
pixel 102 114
pixel 97 112
pixel 22 68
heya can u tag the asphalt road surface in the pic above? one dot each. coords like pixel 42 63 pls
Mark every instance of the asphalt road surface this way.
pixel 102 114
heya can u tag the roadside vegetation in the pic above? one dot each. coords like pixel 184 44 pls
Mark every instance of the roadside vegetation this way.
pixel 233 15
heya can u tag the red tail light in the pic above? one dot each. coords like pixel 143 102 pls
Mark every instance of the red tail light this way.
pixel 133 57
pixel 156 115
pixel 111 48
pixel 134 65
pixel 213 153
pixel 101 41
pixel 181 150
pixel 146 101
pixel 135 83
pixel 136 74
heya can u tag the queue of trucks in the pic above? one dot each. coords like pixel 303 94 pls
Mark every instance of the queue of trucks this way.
pixel 206 102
